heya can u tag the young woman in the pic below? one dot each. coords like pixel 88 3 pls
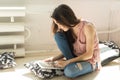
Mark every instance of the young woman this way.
pixel 77 41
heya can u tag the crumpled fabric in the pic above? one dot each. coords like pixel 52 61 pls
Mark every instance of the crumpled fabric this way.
pixel 43 73
pixel 7 60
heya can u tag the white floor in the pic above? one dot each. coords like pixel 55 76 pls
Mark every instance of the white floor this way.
pixel 108 72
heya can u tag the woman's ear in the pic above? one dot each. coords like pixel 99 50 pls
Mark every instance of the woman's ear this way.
pixel 54 20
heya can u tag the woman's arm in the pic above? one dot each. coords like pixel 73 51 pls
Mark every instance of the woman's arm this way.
pixel 90 34
pixel 59 56
pixel 54 58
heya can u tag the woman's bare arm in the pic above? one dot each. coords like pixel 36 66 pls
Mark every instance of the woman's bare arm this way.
pixel 54 58
pixel 57 57
pixel 90 34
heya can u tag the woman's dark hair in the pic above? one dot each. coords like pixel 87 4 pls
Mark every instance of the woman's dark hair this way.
pixel 64 15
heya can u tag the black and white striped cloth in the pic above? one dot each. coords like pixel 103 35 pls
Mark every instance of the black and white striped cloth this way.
pixel 7 60
pixel 109 51
pixel 42 73
pixel 110 44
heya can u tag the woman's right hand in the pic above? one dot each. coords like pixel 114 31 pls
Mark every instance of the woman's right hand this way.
pixel 49 59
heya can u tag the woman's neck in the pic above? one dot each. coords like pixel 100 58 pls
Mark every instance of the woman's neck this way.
pixel 75 29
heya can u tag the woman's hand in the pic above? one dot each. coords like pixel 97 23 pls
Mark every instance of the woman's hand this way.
pixel 61 63
pixel 48 59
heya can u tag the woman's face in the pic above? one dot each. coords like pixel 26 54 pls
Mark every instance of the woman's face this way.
pixel 60 26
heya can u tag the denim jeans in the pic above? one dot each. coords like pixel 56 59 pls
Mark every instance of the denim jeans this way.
pixel 75 69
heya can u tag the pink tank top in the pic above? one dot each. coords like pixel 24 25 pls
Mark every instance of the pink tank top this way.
pixel 80 46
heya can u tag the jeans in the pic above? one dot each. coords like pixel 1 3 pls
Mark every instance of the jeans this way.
pixel 75 69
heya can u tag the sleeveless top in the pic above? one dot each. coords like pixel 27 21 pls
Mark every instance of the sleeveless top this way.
pixel 80 46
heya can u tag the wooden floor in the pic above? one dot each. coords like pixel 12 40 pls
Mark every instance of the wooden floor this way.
pixel 108 72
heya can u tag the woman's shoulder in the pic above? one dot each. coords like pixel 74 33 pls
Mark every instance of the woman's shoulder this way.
pixel 87 23
pixel 89 27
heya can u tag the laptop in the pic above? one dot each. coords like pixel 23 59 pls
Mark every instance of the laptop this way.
pixel 47 65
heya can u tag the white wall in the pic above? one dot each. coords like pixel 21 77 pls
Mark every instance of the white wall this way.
pixel 39 22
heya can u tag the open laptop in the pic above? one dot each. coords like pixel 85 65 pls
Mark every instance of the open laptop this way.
pixel 47 65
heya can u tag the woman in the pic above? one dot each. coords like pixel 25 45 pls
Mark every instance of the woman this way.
pixel 77 41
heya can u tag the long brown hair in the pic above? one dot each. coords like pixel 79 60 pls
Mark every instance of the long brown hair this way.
pixel 64 15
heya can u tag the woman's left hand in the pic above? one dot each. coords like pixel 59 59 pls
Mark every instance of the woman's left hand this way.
pixel 61 63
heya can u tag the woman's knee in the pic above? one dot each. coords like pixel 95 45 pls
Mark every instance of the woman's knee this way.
pixel 71 71
pixel 77 69
pixel 69 74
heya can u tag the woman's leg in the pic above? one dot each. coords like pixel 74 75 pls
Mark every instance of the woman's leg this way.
pixel 76 69
pixel 63 45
